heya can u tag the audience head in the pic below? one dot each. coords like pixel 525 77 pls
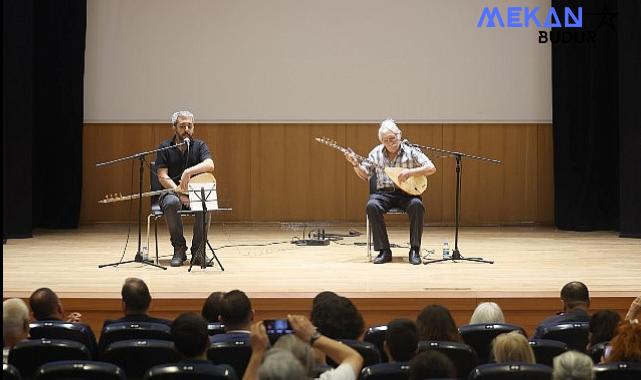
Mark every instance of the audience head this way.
pixel 401 340
pixel 189 333
pixel 280 364
pixel 626 344
pixel 338 318
pixel 575 295
pixel 302 351
pixel 324 296
pixel 15 321
pixel 436 323
pixel 46 305
pixel 603 325
pixel 211 307
pixel 135 296
pixel 512 347
pixel 236 311
pixel 431 364
pixel 572 365
pixel 487 312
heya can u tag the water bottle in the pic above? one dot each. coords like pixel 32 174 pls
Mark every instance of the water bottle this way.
pixel 145 254
pixel 446 250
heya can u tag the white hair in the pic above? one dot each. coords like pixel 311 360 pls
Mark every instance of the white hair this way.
pixel 177 114
pixel 573 365
pixel 280 364
pixel 487 312
pixel 15 318
pixel 388 125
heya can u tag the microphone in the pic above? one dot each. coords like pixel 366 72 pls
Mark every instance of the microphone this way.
pixel 187 141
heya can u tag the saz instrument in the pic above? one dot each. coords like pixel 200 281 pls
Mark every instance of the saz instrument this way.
pixel 414 185
pixel 198 178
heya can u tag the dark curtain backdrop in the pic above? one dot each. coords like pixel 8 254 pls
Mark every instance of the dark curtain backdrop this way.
pixel 592 133
pixel 43 113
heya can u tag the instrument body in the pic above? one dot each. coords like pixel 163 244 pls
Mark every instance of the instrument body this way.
pixel 198 178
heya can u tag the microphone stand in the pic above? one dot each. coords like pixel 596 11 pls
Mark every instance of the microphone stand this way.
pixel 141 158
pixel 202 250
pixel 458 156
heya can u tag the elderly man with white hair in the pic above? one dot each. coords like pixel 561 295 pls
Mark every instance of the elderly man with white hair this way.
pixel 15 324
pixel 393 152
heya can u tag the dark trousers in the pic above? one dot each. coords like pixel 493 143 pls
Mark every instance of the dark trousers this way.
pixel 381 202
pixel 170 205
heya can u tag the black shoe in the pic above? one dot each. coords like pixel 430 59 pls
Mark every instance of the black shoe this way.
pixel 415 256
pixel 385 256
pixel 180 255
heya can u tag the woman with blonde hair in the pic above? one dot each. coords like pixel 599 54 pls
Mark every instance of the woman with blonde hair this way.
pixel 512 347
pixel 487 312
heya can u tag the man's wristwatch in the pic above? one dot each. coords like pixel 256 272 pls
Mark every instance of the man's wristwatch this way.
pixel 314 338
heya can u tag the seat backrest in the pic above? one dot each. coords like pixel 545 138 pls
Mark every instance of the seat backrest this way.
pixel 574 334
pixel 77 332
pixel 372 183
pixel 596 351
pixel 511 371
pixel 618 371
pixel 28 355
pixel 546 350
pixel 192 371
pixel 376 336
pixel 480 336
pixel 236 353
pixel 136 356
pixel 215 328
pixel 10 372
pixel 79 369
pixel 368 351
pixel 155 185
pixel 386 371
pixel 119 331
pixel 462 355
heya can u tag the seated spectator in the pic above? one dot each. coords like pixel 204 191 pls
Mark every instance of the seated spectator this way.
pixel 280 364
pixel 575 299
pixel 302 351
pixel 436 323
pixel 324 296
pixel 211 307
pixel 236 314
pixel 487 312
pixel 431 364
pixel 512 347
pixel 401 340
pixel 634 312
pixel 603 325
pixel 189 334
pixel 573 365
pixel 135 304
pixel 337 318
pixel 15 324
pixel 625 346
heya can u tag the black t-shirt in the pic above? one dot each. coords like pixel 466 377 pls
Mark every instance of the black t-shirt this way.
pixel 176 161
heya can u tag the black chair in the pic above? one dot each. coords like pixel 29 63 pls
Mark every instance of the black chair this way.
pixel 376 336
pixel 574 334
pixel 462 355
pixel 511 371
pixel 392 211
pixel 546 350
pixel 79 369
pixel 618 371
pixel 368 351
pixel 192 371
pixel 10 372
pixel 28 355
pixel 135 357
pixel 215 328
pixel 77 332
pixel 480 336
pixel 596 351
pixel 386 371
pixel 120 331
pixel 234 353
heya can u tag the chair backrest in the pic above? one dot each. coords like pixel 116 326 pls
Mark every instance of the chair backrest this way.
pixel 10 372
pixel 376 336
pixel 215 328
pixel 119 331
pixel 386 371
pixel 155 185
pixel 618 371
pixel 462 355
pixel 28 355
pixel 136 356
pixel 479 336
pixel 372 183
pixel 192 371
pixel 596 351
pixel 79 369
pixel 236 353
pixel 368 351
pixel 511 371
pixel 77 332
pixel 546 350
pixel 574 334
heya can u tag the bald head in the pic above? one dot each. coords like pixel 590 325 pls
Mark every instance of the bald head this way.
pixel 575 295
pixel 135 296
pixel 45 305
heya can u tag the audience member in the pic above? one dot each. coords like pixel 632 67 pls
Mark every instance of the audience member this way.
pixel 431 364
pixel 512 347
pixel 211 307
pixel 573 365
pixel 135 304
pixel 487 312
pixel 15 324
pixel 302 351
pixel 603 325
pixel 236 314
pixel 280 364
pixel 625 346
pixel 575 299
pixel 189 334
pixel 337 318
pixel 436 323
pixel 401 340
pixel 634 312
pixel 324 296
